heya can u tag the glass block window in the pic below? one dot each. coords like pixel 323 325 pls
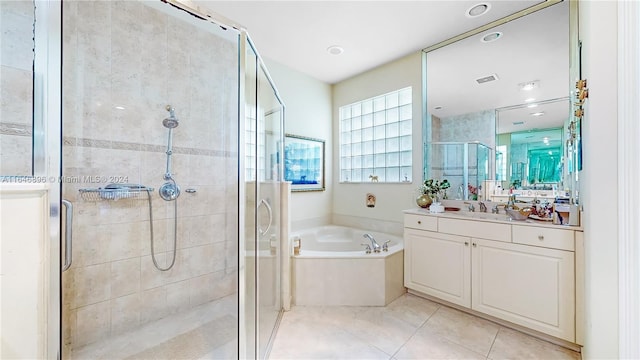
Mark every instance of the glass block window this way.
pixel 254 128
pixel 375 139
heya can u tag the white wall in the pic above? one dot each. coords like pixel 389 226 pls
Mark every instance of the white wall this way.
pixel 308 113
pixel 24 269
pixel 349 199
pixel 598 21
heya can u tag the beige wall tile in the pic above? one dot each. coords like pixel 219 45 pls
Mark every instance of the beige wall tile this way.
pixel 155 304
pixel 125 313
pixel 178 296
pixel 91 285
pixel 93 323
pixel 125 277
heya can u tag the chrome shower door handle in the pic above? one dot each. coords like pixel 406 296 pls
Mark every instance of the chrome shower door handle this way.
pixel 68 234
pixel 266 204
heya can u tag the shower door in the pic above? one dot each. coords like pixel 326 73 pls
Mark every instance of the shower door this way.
pixel 264 116
pixel 269 215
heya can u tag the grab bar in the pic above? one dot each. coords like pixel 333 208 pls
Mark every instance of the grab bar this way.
pixel 68 233
pixel 266 204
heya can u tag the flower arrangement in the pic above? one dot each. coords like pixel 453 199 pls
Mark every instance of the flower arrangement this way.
pixel 473 192
pixel 435 189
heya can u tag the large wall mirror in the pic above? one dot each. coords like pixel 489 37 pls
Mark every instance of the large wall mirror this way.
pixel 505 88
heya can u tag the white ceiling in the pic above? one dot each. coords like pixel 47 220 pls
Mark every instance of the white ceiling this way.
pixel 535 47
pixel 297 33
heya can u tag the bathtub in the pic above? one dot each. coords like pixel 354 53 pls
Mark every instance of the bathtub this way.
pixel 333 268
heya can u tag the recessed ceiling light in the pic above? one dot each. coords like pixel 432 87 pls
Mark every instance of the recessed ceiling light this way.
pixel 335 50
pixel 532 105
pixel 491 37
pixel 477 10
pixel 539 113
pixel 119 107
pixel 529 100
pixel 529 85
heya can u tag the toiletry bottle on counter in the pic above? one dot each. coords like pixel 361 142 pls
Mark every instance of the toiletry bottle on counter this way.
pixel 459 193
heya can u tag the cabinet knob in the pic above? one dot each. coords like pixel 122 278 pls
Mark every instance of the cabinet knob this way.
pixel 466 243
pixel 540 237
pixel 474 244
pixel 419 222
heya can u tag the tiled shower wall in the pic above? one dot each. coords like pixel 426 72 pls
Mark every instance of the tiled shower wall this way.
pixel 448 163
pixel 480 126
pixel 118 75
pixel 16 60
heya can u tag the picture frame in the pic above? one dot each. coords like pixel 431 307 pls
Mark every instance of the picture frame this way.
pixel 304 163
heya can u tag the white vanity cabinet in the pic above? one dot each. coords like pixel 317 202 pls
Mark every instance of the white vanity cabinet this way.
pixel 526 285
pixel 524 274
pixel 438 265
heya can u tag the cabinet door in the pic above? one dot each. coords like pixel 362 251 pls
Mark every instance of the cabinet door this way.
pixel 438 265
pixel 526 285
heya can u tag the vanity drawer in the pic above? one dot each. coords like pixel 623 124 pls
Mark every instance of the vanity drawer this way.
pixel 544 237
pixel 421 222
pixel 476 229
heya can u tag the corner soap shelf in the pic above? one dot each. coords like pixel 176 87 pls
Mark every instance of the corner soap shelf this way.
pixel 115 192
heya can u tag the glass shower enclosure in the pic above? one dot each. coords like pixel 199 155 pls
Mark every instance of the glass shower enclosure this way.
pixel 171 137
pixel 466 165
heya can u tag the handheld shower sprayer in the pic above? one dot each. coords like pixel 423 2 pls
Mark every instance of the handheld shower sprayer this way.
pixel 170 190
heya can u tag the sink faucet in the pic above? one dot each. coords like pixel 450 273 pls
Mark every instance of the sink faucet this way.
pixel 471 208
pixel 374 244
pixel 511 202
pixel 496 208
pixel 483 207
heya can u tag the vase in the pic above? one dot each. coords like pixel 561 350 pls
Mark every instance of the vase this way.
pixel 423 200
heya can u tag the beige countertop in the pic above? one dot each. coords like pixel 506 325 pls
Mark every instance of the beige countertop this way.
pixel 503 218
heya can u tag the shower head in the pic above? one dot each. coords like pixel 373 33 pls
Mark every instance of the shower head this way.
pixel 172 121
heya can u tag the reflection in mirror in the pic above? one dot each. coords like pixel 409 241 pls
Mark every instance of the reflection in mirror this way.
pixel 17 21
pixel 482 87
pixel 529 149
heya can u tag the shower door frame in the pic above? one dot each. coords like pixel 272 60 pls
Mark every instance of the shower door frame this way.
pixel 47 158
pixel 245 44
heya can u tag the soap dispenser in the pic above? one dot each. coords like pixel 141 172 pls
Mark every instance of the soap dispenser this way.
pixel 460 193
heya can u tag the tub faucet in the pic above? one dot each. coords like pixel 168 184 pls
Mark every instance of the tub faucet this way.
pixel 483 207
pixel 374 245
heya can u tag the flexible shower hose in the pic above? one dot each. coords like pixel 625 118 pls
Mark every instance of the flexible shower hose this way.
pixel 175 233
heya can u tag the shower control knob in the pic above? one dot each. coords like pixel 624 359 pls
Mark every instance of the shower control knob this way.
pixel 169 191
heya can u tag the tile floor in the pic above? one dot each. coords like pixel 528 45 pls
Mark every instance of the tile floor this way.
pixel 409 328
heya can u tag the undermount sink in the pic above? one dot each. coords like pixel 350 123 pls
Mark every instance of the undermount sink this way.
pixel 481 215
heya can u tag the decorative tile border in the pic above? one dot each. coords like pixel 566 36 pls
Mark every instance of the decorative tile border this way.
pixel 7 128
pixel 122 145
